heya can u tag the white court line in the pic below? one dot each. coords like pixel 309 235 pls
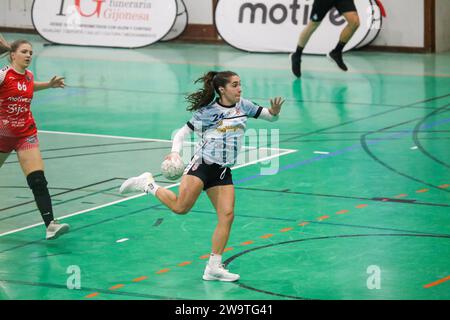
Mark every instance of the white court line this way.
pixel 286 151
pixel 101 136
pixel 82 211
pixel 137 139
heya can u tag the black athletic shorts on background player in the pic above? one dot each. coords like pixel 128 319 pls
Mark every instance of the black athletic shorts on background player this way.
pixel 321 7
pixel 211 174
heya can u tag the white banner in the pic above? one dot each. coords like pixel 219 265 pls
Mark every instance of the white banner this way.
pixel 275 25
pixel 109 23
pixel 180 23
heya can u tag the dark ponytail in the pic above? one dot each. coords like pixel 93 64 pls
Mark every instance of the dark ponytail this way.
pixel 212 81
pixel 3 50
pixel 4 46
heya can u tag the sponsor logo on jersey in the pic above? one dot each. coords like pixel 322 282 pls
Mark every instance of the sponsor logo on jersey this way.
pixel 32 139
pixel 16 110
pixel 231 128
pixel 19 99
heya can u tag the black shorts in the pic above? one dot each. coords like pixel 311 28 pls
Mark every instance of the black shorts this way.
pixel 212 175
pixel 321 7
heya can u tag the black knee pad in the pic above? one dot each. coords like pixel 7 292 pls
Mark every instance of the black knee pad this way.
pixel 37 183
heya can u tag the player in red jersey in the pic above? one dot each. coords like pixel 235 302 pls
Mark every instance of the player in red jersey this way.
pixel 18 130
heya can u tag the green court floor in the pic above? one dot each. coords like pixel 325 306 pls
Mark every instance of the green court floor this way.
pixel 347 196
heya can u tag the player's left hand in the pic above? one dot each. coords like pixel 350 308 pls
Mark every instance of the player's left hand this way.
pixel 57 82
pixel 276 104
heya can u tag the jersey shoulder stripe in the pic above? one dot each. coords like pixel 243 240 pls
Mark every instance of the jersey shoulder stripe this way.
pixel 258 112
pixel 190 125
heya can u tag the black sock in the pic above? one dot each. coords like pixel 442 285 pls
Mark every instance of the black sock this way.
pixel 340 46
pixel 299 51
pixel 38 184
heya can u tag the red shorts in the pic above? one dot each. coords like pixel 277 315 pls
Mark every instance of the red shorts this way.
pixel 8 144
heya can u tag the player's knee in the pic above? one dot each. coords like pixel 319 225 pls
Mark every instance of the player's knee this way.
pixel 37 182
pixel 354 22
pixel 227 216
pixel 181 209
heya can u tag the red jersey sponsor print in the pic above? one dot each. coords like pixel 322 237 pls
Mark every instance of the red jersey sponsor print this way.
pixel 16 92
pixel 8 144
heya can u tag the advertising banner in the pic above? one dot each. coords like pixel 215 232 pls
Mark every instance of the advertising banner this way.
pixel 108 23
pixel 181 22
pixel 275 25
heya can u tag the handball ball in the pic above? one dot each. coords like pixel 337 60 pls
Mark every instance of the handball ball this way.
pixel 172 169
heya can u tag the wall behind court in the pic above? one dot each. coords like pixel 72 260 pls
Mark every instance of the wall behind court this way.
pixel 404 28
pixel 403 25
pixel 442 25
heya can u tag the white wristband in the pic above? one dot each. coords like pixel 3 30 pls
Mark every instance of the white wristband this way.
pixel 266 115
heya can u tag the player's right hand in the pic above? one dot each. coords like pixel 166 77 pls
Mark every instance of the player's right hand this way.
pixel 173 156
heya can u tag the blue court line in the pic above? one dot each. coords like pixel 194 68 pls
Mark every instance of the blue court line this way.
pixel 434 124
pixel 343 151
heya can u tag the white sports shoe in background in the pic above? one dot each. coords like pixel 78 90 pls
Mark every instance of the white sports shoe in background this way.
pixel 219 273
pixel 136 184
pixel 56 229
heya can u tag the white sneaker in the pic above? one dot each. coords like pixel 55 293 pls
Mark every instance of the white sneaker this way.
pixel 56 229
pixel 135 184
pixel 219 273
